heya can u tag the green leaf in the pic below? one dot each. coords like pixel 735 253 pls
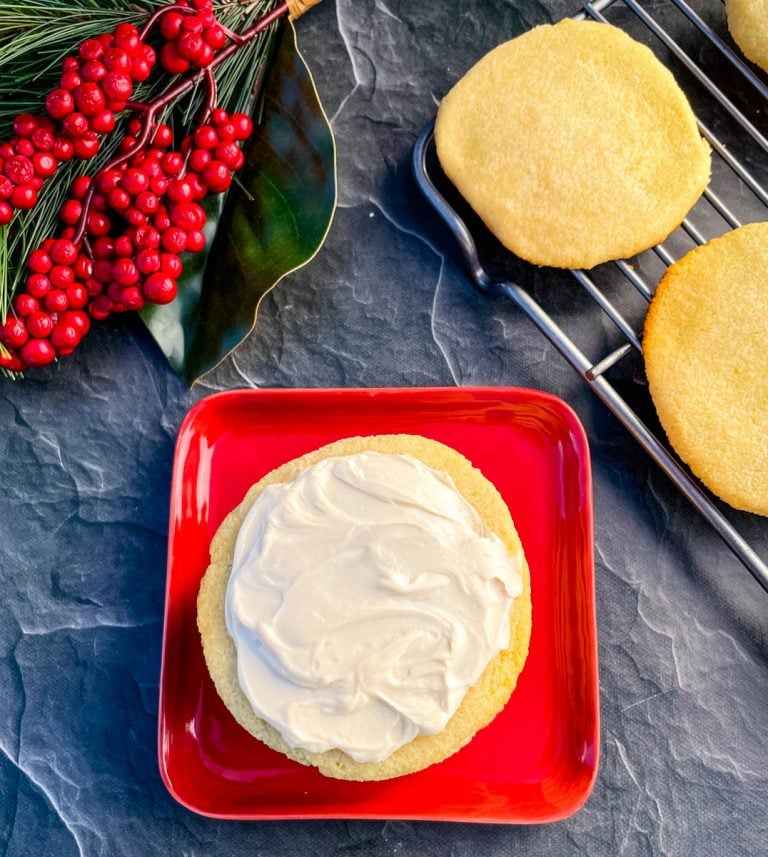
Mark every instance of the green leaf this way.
pixel 271 224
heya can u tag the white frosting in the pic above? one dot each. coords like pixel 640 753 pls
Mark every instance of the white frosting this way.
pixel 365 598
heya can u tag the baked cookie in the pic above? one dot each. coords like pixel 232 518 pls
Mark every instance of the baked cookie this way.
pixel 748 23
pixel 574 144
pixel 481 702
pixel 707 363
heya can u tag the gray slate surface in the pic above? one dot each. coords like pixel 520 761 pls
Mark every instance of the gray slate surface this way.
pixel 86 459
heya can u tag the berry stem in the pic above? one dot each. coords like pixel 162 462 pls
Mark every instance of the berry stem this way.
pixel 150 110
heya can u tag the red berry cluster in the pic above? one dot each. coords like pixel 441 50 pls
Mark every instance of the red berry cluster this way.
pixel 139 216
pixel 192 36
pixel 94 85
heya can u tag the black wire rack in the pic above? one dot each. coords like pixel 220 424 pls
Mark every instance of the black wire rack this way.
pixel 730 99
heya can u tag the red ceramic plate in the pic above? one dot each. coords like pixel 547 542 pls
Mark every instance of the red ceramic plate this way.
pixel 537 760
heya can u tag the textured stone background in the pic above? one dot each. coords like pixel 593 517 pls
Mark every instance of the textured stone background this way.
pixel 86 459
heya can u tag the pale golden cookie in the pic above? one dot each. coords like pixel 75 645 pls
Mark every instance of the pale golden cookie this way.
pixel 748 23
pixel 574 145
pixel 481 703
pixel 707 363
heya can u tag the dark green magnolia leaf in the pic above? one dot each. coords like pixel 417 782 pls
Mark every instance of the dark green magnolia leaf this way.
pixel 271 225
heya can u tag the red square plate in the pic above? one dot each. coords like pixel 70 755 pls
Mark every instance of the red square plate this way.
pixel 537 760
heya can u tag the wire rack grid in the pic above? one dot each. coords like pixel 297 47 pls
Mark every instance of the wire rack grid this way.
pixel 734 177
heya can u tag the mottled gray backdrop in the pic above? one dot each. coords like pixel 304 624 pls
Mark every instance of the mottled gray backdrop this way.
pixel 85 466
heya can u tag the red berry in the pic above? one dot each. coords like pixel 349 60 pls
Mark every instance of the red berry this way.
pixel 56 301
pixel 104 122
pixel 76 124
pixel 63 149
pixel 135 181
pixel 45 165
pixel 87 146
pixel 13 334
pixel 42 139
pixel 159 185
pixel 174 239
pixel 119 199
pixel 229 154
pixel 19 169
pixel 83 267
pixel 39 262
pixel 106 180
pixel 61 276
pixel 172 163
pixel 6 187
pixel 217 177
pixel 102 270
pixel 179 190
pixel 24 147
pixel 116 59
pixel 24 197
pixel 147 202
pixel 127 38
pixel 103 248
pixel 226 130
pixel 159 289
pixel 92 72
pixel 6 214
pixel 148 261
pixel 243 126
pixel 163 137
pixel 65 336
pixel 135 217
pixel 219 115
pixel 124 246
pixel 78 320
pixel 70 212
pixel 24 305
pixel 77 296
pixel 70 80
pixel 195 241
pixel 171 61
pixel 146 238
pixel 190 46
pixel 199 159
pixel 7 150
pixel 80 187
pixel 128 143
pixel 68 234
pixel 38 352
pixel 98 224
pixel 36 183
pixel 199 190
pixel 192 24
pixel 90 99
pixel 215 37
pixel 161 220
pixel 100 307
pixel 117 86
pixel 38 285
pixel 132 298
pixel 63 252
pixel 71 63
pixel 188 215
pixel 171 265
pixel 59 103
pixel 24 124
pixel 205 137
pixel 91 49
pixel 170 26
pixel 39 325
pixel 140 69
pixel 115 294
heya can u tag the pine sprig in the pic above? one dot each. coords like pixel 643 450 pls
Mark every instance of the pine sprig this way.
pixel 35 36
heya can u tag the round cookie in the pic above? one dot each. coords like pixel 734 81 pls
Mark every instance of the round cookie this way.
pixel 574 145
pixel 748 23
pixel 482 702
pixel 707 363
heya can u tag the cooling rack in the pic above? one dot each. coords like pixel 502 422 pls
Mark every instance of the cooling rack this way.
pixel 731 97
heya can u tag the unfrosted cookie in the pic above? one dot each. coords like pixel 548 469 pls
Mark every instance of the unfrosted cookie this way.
pixel 574 144
pixel 748 23
pixel 707 363
pixel 483 700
